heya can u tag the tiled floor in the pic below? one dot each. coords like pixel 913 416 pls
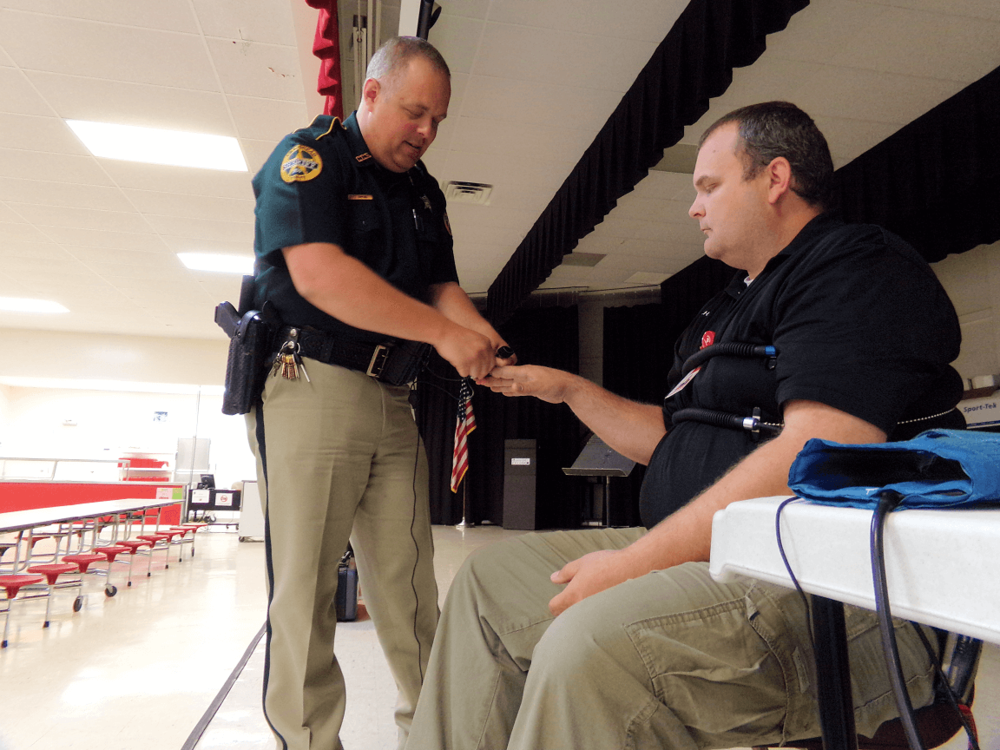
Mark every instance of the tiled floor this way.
pixel 141 669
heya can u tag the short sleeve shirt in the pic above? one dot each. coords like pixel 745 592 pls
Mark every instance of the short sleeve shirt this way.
pixel 321 184
pixel 860 323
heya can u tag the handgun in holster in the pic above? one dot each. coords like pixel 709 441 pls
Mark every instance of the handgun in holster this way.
pixel 251 333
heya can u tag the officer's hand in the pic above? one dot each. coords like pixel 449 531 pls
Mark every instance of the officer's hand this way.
pixel 469 352
pixel 529 380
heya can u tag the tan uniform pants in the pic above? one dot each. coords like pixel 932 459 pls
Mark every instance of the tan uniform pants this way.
pixel 671 660
pixel 339 458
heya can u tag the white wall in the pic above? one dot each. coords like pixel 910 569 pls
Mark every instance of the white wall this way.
pixel 73 416
pixel 972 280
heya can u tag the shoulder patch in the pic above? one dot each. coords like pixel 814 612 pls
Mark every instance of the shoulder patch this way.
pixel 447 224
pixel 301 164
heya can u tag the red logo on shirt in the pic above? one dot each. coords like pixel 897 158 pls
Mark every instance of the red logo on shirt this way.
pixel 707 339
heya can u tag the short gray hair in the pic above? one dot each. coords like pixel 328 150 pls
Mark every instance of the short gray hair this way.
pixel 392 58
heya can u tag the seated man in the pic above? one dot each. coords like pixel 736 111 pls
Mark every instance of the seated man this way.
pixel 619 638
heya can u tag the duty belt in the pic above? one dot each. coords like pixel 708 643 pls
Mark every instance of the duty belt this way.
pixel 395 363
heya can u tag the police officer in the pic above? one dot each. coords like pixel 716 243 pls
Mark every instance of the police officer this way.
pixel 354 251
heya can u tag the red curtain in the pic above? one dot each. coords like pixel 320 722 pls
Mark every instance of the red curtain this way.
pixel 326 46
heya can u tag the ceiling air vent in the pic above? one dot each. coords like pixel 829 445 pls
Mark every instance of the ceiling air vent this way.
pixel 475 193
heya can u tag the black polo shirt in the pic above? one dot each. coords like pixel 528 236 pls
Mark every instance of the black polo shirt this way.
pixel 860 323
pixel 321 184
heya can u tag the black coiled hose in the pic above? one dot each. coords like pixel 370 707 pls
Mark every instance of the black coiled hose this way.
pixel 733 349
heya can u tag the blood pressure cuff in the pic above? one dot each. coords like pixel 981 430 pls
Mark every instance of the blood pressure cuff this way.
pixel 936 469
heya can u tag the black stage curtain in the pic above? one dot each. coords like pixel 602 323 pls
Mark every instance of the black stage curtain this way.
pixel 550 337
pixel 694 63
pixel 639 351
pixel 936 181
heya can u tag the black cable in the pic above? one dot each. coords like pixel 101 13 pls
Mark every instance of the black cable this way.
pixel 730 349
pixel 888 500
pixel 946 688
pixel 788 567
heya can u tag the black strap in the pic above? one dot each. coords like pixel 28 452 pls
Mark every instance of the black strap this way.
pixel 396 363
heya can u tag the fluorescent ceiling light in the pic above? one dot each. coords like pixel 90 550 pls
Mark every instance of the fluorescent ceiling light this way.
pixel 213 262
pixel 15 304
pixel 155 146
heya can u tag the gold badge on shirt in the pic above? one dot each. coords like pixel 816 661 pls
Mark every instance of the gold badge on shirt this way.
pixel 301 164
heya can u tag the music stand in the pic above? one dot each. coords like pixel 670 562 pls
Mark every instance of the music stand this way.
pixel 597 459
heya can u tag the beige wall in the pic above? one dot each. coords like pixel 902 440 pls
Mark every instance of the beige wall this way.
pixel 86 356
pixel 972 280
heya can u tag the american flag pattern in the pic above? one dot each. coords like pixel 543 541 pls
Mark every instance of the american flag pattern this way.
pixel 465 423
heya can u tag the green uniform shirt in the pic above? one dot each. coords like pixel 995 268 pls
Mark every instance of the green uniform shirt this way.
pixel 321 184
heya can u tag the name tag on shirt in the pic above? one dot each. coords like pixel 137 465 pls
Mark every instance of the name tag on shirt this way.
pixel 358 197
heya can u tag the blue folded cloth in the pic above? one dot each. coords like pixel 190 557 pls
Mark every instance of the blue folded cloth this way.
pixel 936 469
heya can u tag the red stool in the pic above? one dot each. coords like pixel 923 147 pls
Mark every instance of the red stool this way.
pixel 184 531
pixel 170 534
pixel 109 553
pixel 193 527
pixel 52 571
pixel 83 561
pixel 132 547
pixel 153 539
pixel 13 584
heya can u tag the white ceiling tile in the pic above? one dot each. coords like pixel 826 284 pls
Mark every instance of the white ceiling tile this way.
pixel 899 41
pixel 544 55
pixel 139 104
pixel 20 97
pixel 172 15
pixel 94 256
pixel 63 194
pixel 472 167
pixel 203 245
pixel 103 50
pixel 869 95
pixel 267 119
pixel 48 251
pixel 666 186
pixel 115 272
pixel 555 105
pixel 81 218
pixel 546 76
pixel 189 206
pixel 460 45
pixel 249 20
pixel 256 153
pixel 822 31
pixel 641 20
pixel 202 228
pixel 75 169
pixel 48 135
pixel 182 180
pixel 7 215
pixel 537 143
pixel 256 69
pixel 20 232
pixel 466 8
pixel 970 8
pixel 848 139
pixel 74 237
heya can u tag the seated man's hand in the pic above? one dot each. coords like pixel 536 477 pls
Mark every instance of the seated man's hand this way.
pixel 586 576
pixel 529 380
